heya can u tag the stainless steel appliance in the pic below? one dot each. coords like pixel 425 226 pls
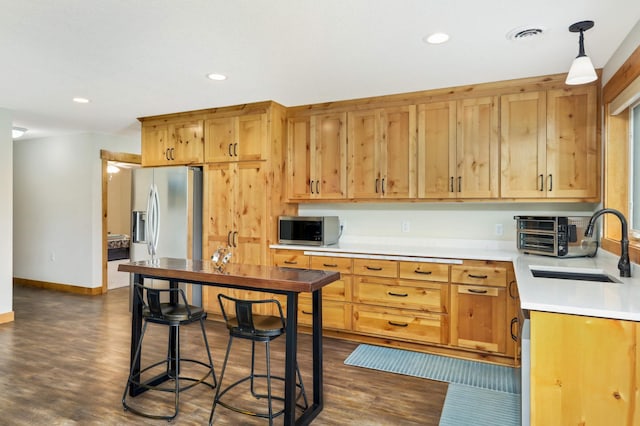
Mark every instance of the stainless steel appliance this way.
pixel 309 230
pixel 167 216
pixel 558 236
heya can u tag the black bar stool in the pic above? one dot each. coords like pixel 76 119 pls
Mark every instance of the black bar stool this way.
pixel 256 328
pixel 173 314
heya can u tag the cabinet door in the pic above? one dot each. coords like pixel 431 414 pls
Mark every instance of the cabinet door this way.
pixel 329 155
pixel 236 138
pixel 219 180
pixel 523 145
pixel 155 145
pixel 299 164
pixel 249 239
pixel 364 155
pixel 220 140
pixel 477 148
pixel 437 150
pixel 478 317
pixel 572 145
pixel 187 142
pixel 398 152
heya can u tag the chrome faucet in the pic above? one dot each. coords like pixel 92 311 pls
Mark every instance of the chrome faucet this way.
pixel 624 265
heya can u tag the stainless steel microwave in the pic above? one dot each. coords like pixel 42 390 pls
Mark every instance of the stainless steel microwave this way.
pixel 308 230
pixel 557 236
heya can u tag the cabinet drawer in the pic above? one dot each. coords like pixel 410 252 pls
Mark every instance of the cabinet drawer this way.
pixel 375 268
pixel 400 324
pixel 336 315
pixel 429 297
pixel 339 290
pixel 424 271
pixel 328 263
pixel 291 259
pixel 479 275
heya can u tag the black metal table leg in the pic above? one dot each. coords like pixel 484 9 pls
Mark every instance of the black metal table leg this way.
pixel 291 353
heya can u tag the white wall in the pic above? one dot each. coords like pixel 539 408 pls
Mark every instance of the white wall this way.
pixel 622 53
pixel 471 221
pixel 6 213
pixel 58 207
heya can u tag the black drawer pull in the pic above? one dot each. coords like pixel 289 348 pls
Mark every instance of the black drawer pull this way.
pixel 514 321
pixel 290 262
pixel 480 277
pixel 418 271
pixel 473 290
pixel 398 324
pixel 330 265
pixel 371 268
pixel 397 294
pixel 307 312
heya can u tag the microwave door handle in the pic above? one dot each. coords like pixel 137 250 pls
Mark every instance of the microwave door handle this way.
pixel 147 224
pixel 156 219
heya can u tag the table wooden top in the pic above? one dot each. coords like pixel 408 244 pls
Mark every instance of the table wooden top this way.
pixel 234 275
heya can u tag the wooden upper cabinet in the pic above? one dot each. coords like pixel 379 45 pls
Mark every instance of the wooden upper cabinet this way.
pixel 239 138
pixel 477 147
pixel 437 150
pixel 572 145
pixel 168 144
pixel 549 144
pixel 317 153
pixel 382 152
pixel 458 149
pixel 523 145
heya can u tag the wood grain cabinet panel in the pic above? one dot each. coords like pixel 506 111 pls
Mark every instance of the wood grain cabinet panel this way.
pixel 458 148
pixel 584 370
pixel 173 143
pixel 291 259
pixel 239 138
pixel 317 154
pixel 335 315
pixel 424 271
pixel 382 151
pixel 375 267
pixel 491 275
pixel 427 297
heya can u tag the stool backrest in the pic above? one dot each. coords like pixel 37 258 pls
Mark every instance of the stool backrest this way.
pixel 244 313
pixel 151 298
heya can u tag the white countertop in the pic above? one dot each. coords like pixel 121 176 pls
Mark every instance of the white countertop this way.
pixel 606 300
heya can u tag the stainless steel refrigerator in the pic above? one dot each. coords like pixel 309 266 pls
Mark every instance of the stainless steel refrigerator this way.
pixel 167 217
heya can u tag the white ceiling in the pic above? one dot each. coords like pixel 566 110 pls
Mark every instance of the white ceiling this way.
pixel 135 58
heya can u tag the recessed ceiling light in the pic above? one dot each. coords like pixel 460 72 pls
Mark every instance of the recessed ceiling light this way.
pixel 437 38
pixel 81 100
pixel 217 77
pixel 16 132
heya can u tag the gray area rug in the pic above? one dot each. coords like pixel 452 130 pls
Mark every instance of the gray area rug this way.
pixel 479 394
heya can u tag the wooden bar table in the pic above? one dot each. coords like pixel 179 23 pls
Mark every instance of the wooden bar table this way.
pixel 270 279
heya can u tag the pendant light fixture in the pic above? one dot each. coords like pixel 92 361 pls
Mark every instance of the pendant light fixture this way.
pixel 581 70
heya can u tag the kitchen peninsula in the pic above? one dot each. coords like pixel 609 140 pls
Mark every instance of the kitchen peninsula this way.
pixel 289 282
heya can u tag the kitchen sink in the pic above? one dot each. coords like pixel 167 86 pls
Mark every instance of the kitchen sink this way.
pixel 577 274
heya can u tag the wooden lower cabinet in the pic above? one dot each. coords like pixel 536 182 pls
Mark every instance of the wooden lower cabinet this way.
pixel 584 370
pixel 467 309
pixel 400 323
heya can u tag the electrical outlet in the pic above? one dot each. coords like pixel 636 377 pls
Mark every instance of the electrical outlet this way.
pixel 406 226
pixel 499 229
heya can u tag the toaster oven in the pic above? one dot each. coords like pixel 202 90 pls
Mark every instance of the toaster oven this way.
pixel 558 236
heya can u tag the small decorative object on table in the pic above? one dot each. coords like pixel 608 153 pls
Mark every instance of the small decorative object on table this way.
pixel 221 257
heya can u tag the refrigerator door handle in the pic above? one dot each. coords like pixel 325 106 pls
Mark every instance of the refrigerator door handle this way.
pixel 153 221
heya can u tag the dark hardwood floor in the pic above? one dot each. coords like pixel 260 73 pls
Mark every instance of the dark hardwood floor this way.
pixel 64 361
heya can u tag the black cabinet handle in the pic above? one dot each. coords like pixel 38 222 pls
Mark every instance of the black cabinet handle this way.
pixel 473 290
pixel 371 268
pixel 459 183
pixel 173 157
pixel 541 182
pixel 229 239
pixel 317 187
pixel 550 183
pixel 235 149
pixel 311 186
pixel 397 294
pixel 398 324
pixel 235 238
pixel 383 190
pixel 290 262
pixel 480 277
pixel 307 313
pixel 377 181
pixel 230 153
pixel 512 294
pixel 330 265
pixel 451 185
pixel 418 271
pixel 514 321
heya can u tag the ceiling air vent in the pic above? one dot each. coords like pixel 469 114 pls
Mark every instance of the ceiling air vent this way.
pixel 524 33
